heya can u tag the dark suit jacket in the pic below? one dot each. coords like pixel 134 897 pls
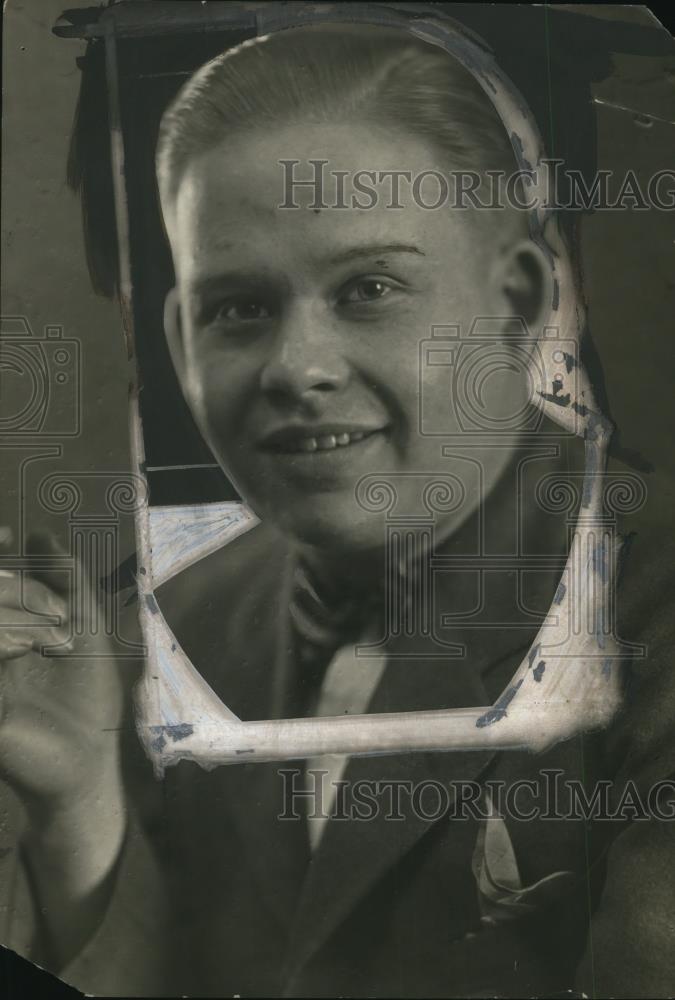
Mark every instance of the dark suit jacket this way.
pixel 217 896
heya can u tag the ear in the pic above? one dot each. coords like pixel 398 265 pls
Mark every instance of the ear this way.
pixel 525 281
pixel 173 329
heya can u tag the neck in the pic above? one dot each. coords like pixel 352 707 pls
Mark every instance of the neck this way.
pixel 338 570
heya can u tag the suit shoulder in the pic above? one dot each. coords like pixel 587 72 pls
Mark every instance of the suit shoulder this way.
pixel 645 729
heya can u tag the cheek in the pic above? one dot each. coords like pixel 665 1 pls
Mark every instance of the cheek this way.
pixel 437 407
pixel 218 388
pixel 396 361
pixel 507 398
pixel 444 374
pixel 466 388
pixel 493 388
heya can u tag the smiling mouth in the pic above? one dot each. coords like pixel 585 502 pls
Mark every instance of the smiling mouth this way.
pixel 309 444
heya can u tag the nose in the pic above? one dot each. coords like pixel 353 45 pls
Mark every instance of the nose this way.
pixel 306 362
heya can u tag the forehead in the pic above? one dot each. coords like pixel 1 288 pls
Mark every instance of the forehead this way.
pixel 242 198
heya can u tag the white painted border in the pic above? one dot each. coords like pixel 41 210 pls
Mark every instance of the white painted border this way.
pixel 179 715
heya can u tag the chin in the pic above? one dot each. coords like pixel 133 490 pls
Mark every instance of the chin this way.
pixel 336 532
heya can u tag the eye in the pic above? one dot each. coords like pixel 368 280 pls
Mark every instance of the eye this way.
pixel 243 310
pixel 364 290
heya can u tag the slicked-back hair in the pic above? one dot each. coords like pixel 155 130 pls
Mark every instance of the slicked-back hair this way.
pixel 328 74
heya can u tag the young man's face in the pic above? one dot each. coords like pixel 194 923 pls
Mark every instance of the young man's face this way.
pixel 297 332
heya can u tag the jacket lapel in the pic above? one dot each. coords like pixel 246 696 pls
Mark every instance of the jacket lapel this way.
pixel 344 868
pixel 276 850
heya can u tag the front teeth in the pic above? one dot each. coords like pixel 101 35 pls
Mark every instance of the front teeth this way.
pixel 326 442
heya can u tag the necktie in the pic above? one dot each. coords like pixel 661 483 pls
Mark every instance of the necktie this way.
pixel 330 678
pixel 323 622
pixel 348 684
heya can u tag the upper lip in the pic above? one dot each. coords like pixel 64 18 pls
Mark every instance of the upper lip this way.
pixel 293 434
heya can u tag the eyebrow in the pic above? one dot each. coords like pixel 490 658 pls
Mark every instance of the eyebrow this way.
pixel 210 284
pixel 373 250
pixel 253 279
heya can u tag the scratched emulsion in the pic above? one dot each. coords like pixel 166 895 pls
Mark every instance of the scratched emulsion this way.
pixel 181 535
pixel 175 733
pixel 498 711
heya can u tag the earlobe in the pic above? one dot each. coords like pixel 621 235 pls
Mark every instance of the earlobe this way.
pixel 173 329
pixel 527 283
